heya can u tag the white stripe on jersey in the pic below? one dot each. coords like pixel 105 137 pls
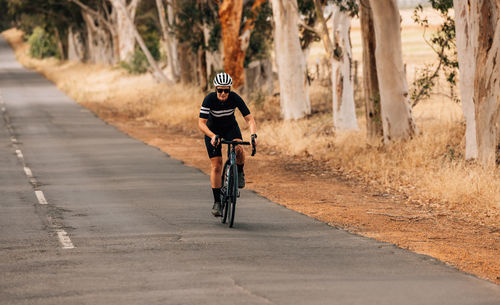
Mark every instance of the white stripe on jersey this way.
pixel 204 112
pixel 223 114
pixel 222 111
pixel 204 108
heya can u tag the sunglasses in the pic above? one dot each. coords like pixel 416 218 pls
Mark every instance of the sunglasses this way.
pixel 223 90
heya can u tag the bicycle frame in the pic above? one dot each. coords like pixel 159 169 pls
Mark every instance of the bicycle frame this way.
pixel 229 189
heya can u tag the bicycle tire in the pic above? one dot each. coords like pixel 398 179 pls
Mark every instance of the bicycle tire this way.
pixel 224 196
pixel 233 194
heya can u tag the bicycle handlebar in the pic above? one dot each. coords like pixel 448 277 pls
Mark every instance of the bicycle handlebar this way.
pixel 235 142
pixel 222 141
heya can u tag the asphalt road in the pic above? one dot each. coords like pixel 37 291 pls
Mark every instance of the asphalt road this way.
pixel 89 215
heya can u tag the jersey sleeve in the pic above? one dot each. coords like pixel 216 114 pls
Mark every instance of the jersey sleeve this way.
pixel 205 109
pixel 242 106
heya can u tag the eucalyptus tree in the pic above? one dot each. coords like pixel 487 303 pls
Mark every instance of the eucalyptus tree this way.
pixel 397 119
pixel 340 55
pixel 125 28
pixel 198 30
pixel 373 112
pixel 294 86
pixel 166 20
pixel 478 44
pixel 467 64
pixel 101 31
pixel 236 33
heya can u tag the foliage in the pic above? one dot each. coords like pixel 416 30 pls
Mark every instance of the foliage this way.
pixel 351 7
pixel 191 18
pixel 444 44
pixel 5 17
pixel 138 64
pixel 42 44
pixel 151 38
pixel 307 11
pixel 262 35
pixel 148 30
pixel 55 17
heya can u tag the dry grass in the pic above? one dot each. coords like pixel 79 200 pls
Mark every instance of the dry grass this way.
pixel 429 169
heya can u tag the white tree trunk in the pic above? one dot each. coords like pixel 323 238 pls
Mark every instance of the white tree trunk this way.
pixel 125 30
pixel 485 29
pixel 76 49
pixel 294 88
pixel 344 110
pixel 466 50
pixel 99 41
pixel 397 119
pixel 170 42
pixel 156 71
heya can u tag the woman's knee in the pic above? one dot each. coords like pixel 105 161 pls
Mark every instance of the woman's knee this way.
pixel 216 164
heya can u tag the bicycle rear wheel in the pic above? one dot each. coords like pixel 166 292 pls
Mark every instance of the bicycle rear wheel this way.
pixel 232 193
pixel 224 193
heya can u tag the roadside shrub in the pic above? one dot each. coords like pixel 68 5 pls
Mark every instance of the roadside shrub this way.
pixel 138 64
pixel 42 44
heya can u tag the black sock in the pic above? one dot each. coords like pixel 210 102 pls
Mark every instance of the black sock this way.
pixel 216 194
pixel 240 167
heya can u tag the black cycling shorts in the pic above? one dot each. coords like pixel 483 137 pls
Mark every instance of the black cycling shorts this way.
pixel 229 134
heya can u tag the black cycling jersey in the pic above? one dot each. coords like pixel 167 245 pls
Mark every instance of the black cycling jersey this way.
pixel 220 114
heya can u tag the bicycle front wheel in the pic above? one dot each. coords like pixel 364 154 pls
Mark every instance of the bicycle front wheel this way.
pixel 224 193
pixel 232 194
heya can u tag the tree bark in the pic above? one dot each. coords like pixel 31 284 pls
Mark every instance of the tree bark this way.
pixel 98 42
pixel 157 72
pixel 485 25
pixel 230 12
pixel 187 62
pixel 344 110
pixel 467 64
pixel 169 40
pixel 75 46
pixel 60 46
pixel 125 30
pixel 294 88
pixel 99 49
pixel 374 127
pixel 236 44
pixel 397 120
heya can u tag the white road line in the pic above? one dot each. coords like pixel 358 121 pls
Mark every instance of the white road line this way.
pixel 65 240
pixel 19 154
pixel 40 197
pixel 63 235
pixel 28 172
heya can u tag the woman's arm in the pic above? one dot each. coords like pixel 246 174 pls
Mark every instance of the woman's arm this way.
pixel 253 127
pixel 202 125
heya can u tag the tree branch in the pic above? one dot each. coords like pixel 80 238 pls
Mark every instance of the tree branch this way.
pixel 93 13
pixel 327 42
pixel 309 28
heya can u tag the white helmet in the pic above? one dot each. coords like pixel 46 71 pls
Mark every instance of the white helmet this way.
pixel 223 79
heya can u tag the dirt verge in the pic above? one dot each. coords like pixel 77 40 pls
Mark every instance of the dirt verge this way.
pixel 310 187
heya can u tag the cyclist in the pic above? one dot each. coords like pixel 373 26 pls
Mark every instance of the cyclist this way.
pixel 217 121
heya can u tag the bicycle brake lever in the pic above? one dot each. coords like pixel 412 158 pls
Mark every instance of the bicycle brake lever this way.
pixel 217 140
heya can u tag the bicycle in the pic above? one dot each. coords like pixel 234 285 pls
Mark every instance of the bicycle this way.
pixel 229 190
